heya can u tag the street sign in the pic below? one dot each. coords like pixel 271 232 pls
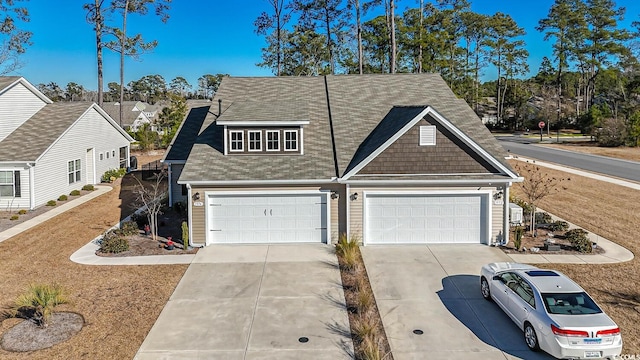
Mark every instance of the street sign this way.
pixel 541 124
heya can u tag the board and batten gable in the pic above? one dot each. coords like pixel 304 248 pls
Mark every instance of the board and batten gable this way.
pixel 17 104
pixel 91 135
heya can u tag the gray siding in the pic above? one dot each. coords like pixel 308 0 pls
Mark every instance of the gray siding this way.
pixel 17 105
pixel 176 189
pixel 91 131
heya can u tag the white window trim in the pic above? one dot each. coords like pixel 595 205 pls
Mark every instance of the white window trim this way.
pixel 13 183
pixel 249 141
pixel 231 141
pixel 277 132
pixel 296 142
pixel 428 135
pixel 77 171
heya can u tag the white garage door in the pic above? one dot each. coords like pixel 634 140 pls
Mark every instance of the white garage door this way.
pixel 269 218
pixel 426 218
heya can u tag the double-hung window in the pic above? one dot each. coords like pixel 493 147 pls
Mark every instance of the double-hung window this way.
pixel 236 141
pixel 74 171
pixel 255 140
pixel 290 140
pixel 273 140
pixel 10 183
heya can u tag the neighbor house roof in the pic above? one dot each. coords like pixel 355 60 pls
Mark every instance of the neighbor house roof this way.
pixel 356 114
pixel 128 115
pixel 29 141
pixel 7 80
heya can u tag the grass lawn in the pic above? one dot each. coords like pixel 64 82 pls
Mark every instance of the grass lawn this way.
pixel 119 303
pixel 613 212
pixel 625 153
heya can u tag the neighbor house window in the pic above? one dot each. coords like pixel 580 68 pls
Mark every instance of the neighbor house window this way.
pixel 74 171
pixel 101 156
pixel 10 183
pixel 290 140
pixel 236 143
pixel 107 154
pixel 255 140
pixel 273 140
pixel 113 153
pixel 427 135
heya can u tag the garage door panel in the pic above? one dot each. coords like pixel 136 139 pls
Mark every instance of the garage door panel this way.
pixel 267 218
pixel 426 218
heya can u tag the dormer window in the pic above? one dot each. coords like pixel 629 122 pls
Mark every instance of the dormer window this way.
pixel 273 140
pixel 255 140
pixel 290 140
pixel 236 140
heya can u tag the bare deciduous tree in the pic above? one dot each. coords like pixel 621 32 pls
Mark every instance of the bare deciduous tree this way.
pixel 151 196
pixel 537 185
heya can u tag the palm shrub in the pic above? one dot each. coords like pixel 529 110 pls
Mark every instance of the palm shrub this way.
pixel 518 232
pixel 578 238
pixel 38 302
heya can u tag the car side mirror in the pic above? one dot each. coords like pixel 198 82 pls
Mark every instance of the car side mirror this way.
pixel 496 277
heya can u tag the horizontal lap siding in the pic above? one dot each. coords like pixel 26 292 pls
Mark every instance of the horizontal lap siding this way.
pixel 337 208
pixel 22 202
pixel 176 189
pixel 17 105
pixel 496 221
pixel 91 131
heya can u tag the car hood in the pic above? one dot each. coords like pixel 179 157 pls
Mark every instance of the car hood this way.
pixel 583 321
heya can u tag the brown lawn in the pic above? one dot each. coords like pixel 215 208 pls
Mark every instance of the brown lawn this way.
pixel 119 303
pixel 613 212
pixel 625 153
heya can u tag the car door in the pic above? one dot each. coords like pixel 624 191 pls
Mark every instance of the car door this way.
pixel 522 302
pixel 502 293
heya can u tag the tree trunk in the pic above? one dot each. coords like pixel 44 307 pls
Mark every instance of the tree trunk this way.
pixel 359 31
pixel 420 36
pixel 477 77
pixel 123 37
pixel 279 41
pixel 393 35
pixel 329 46
pixel 99 22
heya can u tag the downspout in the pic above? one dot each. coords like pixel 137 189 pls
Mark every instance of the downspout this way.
pixel 505 215
pixel 32 193
pixel 169 176
pixel 348 200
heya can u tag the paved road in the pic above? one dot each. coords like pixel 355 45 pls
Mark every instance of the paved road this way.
pixel 624 169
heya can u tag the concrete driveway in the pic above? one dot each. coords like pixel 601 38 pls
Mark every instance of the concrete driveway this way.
pixel 436 290
pixel 255 302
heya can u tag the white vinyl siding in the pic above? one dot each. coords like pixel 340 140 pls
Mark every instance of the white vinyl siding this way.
pixel 236 141
pixel 427 135
pixel 255 140
pixel 273 140
pixel 17 105
pixel 291 140
pixel 91 131
pixel 8 184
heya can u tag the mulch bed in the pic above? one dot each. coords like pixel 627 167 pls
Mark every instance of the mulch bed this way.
pixel 530 242
pixel 27 336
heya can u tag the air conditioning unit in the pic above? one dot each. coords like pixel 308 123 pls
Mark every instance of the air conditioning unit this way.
pixel 515 214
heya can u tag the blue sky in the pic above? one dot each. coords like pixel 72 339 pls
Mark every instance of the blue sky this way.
pixel 204 36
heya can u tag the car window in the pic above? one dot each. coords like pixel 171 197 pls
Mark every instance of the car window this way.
pixel 524 291
pixel 570 304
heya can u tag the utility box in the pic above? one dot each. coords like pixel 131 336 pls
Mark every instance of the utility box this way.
pixel 515 214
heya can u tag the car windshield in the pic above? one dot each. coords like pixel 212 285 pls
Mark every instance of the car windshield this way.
pixel 570 304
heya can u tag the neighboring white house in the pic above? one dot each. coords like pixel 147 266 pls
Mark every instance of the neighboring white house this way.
pixel 133 118
pixel 49 149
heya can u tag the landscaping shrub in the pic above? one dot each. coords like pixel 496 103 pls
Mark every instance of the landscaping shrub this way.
pixel 114 242
pixel 75 193
pixel 543 218
pixel 141 218
pixel 22 212
pixel 63 198
pixel 112 174
pixel 38 302
pixel 14 217
pixel 51 203
pixel 579 240
pixel 129 228
pixel 518 232
pixel 347 249
pixel 558 225
pixel 88 187
pixel 185 235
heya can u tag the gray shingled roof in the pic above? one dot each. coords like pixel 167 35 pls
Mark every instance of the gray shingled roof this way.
pixel 296 110
pixel 358 104
pixel 32 138
pixel 187 134
pixel 7 80
pixel 128 116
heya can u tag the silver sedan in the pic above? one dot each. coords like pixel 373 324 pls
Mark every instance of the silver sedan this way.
pixel 555 314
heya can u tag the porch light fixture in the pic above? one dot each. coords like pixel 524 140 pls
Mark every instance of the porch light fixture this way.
pixel 196 196
pixel 334 195
pixel 354 197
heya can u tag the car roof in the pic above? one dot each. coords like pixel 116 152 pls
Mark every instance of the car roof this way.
pixel 549 281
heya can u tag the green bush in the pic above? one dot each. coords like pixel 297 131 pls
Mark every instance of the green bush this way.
pixel 347 250
pixel 185 235
pixel 88 187
pixel 75 193
pixel 38 302
pixel 22 212
pixel 559 225
pixel 579 240
pixel 113 174
pixel 14 217
pixel 129 228
pixel 543 218
pixel 51 203
pixel 114 242
pixel 63 198
pixel 518 232
pixel 141 218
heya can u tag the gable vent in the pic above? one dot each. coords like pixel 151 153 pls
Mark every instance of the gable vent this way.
pixel 427 135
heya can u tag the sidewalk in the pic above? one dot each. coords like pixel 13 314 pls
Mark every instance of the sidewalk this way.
pixel 55 211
